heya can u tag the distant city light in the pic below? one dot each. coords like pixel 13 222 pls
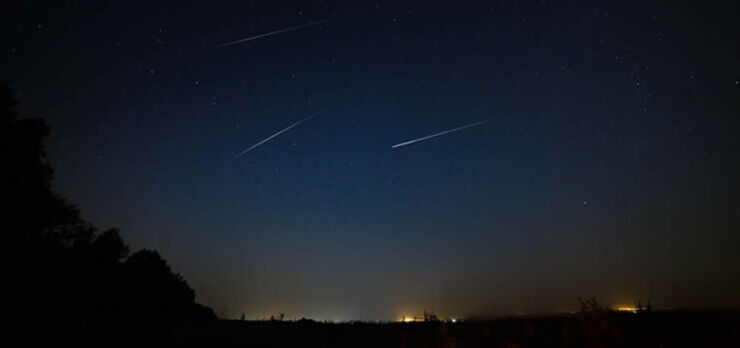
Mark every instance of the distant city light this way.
pixel 414 319
pixel 629 309
pixel 406 319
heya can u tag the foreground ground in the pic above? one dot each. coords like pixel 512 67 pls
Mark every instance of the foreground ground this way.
pixel 685 328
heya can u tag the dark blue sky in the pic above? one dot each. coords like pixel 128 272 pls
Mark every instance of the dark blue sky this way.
pixel 608 167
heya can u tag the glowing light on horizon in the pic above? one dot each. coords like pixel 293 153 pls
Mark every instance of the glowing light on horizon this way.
pixel 411 319
pixel 628 309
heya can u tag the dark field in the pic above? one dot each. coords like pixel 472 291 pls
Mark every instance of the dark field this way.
pixel 685 328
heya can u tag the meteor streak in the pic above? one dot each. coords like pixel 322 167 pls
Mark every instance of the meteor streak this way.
pixel 438 134
pixel 272 136
pixel 271 33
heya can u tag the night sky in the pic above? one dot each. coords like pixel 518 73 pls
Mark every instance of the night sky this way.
pixel 607 167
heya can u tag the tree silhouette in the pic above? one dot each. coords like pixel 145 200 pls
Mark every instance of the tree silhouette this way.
pixel 153 289
pixel 64 265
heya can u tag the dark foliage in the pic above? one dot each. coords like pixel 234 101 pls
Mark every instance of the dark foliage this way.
pixel 70 281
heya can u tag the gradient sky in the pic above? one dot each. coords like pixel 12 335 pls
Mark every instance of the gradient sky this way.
pixel 608 168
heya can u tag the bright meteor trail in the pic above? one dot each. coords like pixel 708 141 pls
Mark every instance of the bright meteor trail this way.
pixel 272 33
pixel 438 134
pixel 272 136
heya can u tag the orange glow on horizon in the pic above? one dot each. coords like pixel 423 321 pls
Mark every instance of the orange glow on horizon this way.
pixel 410 319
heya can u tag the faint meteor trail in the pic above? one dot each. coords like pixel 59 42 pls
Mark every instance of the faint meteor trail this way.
pixel 438 134
pixel 230 43
pixel 272 136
